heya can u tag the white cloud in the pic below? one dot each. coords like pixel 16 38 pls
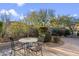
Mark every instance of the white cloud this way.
pixel 32 10
pixel 20 4
pixel 3 11
pixel 8 12
pixel 13 12
pixel 74 15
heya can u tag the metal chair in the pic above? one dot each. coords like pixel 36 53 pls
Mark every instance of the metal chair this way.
pixel 15 47
pixel 37 47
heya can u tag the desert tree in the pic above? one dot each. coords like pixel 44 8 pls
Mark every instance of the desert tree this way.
pixel 5 18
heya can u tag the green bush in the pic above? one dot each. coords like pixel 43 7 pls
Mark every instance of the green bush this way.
pixel 1 26
pixel 47 37
pixel 43 29
pixel 56 39
pixel 67 32
pixel 56 32
pixel 60 32
pixel 17 30
pixel 78 33
pixel 33 32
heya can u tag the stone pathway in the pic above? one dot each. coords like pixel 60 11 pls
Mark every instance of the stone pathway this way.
pixel 69 48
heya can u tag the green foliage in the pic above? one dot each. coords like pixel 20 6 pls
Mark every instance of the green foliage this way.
pixel 67 32
pixel 47 37
pixel 43 29
pixel 5 18
pixel 1 26
pixel 40 18
pixel 54 22
pixel 56 39
pixel 33 32
pixel 78 33
pixel 65 20
pixel 17 28
pixel 32 18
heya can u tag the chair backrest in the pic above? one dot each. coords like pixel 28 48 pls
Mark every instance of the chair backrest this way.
pixel 39 45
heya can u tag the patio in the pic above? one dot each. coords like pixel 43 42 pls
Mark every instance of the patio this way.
pixel 49 49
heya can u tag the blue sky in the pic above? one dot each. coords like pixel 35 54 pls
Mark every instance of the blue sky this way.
pixel 18 10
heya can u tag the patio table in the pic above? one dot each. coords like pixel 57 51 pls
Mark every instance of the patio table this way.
pixel 26 42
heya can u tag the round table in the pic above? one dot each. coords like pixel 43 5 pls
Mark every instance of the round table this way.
pixel 26 41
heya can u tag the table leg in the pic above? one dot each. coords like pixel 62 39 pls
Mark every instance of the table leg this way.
pixel 28 49
pixel 24 49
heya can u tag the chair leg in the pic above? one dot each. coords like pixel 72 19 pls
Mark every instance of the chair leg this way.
pixel 11 53
pixel 36 53
pixel 24 51
pixel 14 53
pixel 41 53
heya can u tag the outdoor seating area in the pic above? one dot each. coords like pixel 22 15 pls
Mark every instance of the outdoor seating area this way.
pixel 48 49
pixel 39 32
pixel 26 45
pixel 23 47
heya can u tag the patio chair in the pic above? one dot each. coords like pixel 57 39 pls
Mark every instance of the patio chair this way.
pixel 36 48
pixel 15 47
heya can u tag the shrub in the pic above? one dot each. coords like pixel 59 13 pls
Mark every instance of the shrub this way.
pixel 78 33
pixel 1 28
pixel 55 32
pixel 60 32
pixel 47 37
pixel 41 38
pixel 56 39
pixel 67 32
pixel 33 32
pixel 43 29
pixel 1 25
pixel 17 29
